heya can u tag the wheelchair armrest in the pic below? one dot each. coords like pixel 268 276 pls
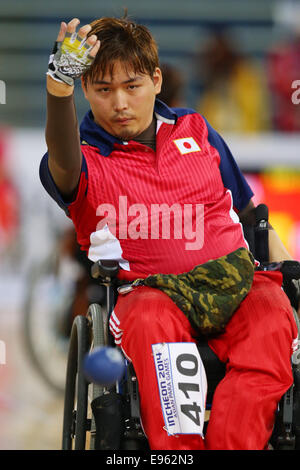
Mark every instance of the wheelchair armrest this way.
pixel 256 233
pixel 291 281
pixel 261 216
pixel 105 269
pixel 261 233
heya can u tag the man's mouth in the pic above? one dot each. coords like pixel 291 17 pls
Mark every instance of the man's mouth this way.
pixel 123 120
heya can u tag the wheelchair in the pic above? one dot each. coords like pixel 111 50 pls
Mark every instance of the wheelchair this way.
pixel 108 418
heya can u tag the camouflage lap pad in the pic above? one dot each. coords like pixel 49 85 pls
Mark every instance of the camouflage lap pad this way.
pixel 210 293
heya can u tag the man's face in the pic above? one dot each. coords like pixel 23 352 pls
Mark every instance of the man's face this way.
pixel 123 103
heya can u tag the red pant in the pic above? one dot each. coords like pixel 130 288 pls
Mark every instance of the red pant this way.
pixel 256 345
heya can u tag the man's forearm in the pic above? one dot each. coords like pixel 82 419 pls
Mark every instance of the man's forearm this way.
pixel 277 251
pixel 62 136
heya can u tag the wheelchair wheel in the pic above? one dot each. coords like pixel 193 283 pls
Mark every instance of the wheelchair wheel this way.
pixel 48 301
pixel 98 321
pixel 87 333
pixel 75 423
pixel 102 420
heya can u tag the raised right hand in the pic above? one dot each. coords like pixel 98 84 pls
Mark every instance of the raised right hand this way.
pixel 73 53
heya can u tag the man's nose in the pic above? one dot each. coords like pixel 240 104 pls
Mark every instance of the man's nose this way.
pixel 120 101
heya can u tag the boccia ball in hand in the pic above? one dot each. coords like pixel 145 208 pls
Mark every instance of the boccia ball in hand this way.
pixel 104 365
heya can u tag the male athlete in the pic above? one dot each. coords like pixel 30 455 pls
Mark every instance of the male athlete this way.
pixel 157 189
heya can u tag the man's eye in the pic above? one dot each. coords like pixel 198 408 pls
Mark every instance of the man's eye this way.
pixel 103 90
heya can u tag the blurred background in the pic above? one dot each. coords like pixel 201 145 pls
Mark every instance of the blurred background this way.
pixel 236 61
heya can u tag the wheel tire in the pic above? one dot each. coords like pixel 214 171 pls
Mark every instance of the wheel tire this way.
pixel 98 320
pixel 87 333
pixel 75 423
pixel 37 359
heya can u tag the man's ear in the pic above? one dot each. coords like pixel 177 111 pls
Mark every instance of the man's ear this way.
pixel 157 80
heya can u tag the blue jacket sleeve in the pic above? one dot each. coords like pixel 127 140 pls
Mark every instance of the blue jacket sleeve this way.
pixel 50 186
pixel 231 174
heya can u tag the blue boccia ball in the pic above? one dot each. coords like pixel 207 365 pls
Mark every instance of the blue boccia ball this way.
pixel 104 365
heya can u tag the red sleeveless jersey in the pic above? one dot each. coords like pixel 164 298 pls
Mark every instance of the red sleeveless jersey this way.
pixel 157 211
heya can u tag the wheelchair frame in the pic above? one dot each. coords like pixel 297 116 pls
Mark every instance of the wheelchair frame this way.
pixel 111 415
pixel 113 418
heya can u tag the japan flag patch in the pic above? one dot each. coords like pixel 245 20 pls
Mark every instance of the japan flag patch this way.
pixel 187 145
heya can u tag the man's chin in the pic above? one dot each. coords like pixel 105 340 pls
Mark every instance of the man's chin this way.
pixel 122 134
pixel 126 135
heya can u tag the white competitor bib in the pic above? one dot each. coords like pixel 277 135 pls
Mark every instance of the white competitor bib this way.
pixel 182 386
